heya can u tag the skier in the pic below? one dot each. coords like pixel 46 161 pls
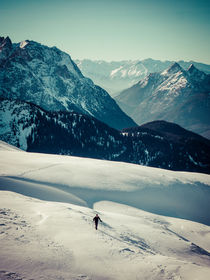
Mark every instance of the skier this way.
pixel 95 219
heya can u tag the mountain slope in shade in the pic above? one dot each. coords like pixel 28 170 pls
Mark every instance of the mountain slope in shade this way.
pixel 50 79
pixel 116 76
pixel 33 129
pixel 173 95
pixel 177 147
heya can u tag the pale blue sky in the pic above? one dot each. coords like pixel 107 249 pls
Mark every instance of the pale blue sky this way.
pixel 113 30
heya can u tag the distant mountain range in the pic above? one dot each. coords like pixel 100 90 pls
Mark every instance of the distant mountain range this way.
pixel 158 144
pixel 175 95
pixel 116 76
pixel 49 78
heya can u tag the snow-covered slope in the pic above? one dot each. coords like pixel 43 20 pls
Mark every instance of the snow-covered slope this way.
pixel 51 240
pixel 173 95
pixel 156 190
pixel 58 241
pixel 7 147
pixel 33 129
pixel 116 76
pixel 50 79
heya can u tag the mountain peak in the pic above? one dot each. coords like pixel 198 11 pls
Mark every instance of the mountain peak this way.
pixel 49 78
pixel 174 68
pixel 5 42
pixel 23 44
pixel 191 67
pixel 195 73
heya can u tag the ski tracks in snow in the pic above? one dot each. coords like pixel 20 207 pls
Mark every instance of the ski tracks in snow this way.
pixel 36 169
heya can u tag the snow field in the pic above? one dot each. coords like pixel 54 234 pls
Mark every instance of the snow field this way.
pixel 85 181
pixel 54 238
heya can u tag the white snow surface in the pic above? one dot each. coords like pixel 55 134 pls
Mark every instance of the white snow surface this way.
pixel 7 147
pixel 23 44
pixel 46 228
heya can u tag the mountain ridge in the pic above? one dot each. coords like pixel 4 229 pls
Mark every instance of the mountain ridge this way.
pixel 116 76
pixel 175 95
pixel 49 78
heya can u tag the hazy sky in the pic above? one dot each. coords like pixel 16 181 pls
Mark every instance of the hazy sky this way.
pixel 113 30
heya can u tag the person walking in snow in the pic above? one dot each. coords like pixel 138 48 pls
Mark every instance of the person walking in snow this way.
pixel 96 219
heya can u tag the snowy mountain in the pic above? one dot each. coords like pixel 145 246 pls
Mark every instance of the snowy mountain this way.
pixel 50 79
pixel 33 129
pixel 116 76
pixel 45 239
pixel 172 147
pixel 173 95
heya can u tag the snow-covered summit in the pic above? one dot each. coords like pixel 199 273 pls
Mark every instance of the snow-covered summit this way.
pixel 116 76
pixel 5 49
pixel 173 69
pixel 191 68
pixel 49 78
pixel 175 95
pixel 23 44
pixel 5 42
pixel 195 73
